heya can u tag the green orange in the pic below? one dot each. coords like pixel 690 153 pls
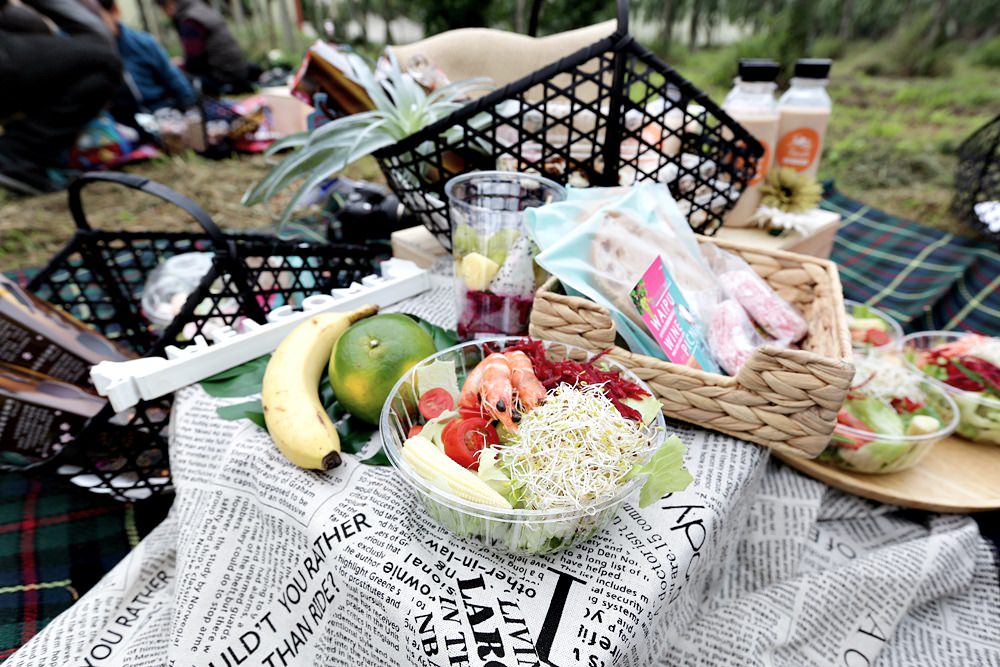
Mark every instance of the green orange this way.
pixel 371 356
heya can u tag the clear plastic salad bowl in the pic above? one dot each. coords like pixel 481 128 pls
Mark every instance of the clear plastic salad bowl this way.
pixel 979 414
pixel 518 531
pixel 885 453
pixel 859 311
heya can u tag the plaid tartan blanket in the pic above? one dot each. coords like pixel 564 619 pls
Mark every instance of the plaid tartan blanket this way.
pixel 56 542
pixel 925 278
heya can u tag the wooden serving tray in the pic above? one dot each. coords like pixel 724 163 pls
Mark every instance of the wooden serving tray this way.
pixel 957 475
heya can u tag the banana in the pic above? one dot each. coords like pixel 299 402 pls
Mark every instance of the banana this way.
pixel 295 418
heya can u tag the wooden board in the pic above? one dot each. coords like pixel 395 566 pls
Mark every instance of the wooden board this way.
pixel 956 476
pixel 818 244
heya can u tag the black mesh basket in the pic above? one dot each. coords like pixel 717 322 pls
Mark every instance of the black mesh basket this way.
pixel 609 114
pixel 977 180
pixel 99 277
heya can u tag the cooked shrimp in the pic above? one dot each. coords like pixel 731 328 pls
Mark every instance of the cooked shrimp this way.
pixel 490 381
pixel 529 390
pixel 468 398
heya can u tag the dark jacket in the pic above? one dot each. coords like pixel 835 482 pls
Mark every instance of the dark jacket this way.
pixel 154 81
pixel 209 48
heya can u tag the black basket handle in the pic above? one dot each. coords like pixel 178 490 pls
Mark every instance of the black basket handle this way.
pixel 226 252
pixel 622 17
pixel 158 190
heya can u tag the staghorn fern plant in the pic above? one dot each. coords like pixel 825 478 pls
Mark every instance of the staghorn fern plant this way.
pixel 402 107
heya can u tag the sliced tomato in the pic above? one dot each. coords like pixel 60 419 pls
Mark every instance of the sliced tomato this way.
pixel 877 337
pixel 465 438
pixel 434 402
pixel 415 430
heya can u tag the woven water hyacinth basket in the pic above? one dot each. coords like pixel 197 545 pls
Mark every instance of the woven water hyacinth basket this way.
pixel 784 399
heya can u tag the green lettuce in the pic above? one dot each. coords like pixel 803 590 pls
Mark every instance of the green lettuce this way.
pixel 648 406
pixel 977 421
pixel 432 429
pixel 880 417
pixel 491 473
pixel 666 472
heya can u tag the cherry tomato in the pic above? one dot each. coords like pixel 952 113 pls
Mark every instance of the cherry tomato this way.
pixel 434 402
pixel 465 438
pixel 415 430
pixel 877 338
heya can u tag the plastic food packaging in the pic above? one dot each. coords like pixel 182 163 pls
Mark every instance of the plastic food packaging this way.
pixel 600 242
pixel 170 284
pixel 731 336
pixel 776 317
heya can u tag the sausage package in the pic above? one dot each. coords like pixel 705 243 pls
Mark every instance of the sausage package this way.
pixel 774 315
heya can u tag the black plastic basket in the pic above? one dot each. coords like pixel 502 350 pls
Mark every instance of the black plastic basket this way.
pixel 99 277
pixel 978 177
pixel 610 114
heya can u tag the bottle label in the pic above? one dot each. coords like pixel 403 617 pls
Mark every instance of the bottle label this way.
pixel 798 148
pixel 762 163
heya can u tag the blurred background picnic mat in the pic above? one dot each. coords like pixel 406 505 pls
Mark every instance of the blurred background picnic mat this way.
pixel 926 278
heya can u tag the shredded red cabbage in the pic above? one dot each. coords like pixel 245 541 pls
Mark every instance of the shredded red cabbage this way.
pixel 553 373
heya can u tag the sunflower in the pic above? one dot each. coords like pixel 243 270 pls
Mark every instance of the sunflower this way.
pixel 790 191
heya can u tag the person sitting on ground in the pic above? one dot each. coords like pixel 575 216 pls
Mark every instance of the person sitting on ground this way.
pixel 211 54
pixel 151 80
pixel 51 85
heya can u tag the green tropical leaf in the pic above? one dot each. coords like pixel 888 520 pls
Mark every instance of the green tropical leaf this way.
pixel 252 410
pixel 402 107
pixel 443 338
pixel 242 380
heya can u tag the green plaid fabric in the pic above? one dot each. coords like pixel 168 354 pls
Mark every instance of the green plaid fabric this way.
pixel 925 278
pixel 55 543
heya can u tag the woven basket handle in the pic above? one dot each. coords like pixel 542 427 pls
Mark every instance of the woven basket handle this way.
pixel 158 190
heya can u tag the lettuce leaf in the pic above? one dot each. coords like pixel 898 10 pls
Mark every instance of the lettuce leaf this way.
pixel 666 472
pixel 880 417
pixel 491 473
pixel 647 406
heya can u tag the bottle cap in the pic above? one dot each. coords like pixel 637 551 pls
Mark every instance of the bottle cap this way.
pixel 813 68
pixel 758 69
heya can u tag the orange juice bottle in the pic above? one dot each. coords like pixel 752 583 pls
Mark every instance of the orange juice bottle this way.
pixel 753 105
pixel 805 111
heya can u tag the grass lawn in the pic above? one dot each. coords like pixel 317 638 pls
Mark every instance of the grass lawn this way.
pixel 891 143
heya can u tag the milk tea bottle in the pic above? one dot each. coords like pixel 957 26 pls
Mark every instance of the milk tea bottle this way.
pixel 752 104
pixel 804 113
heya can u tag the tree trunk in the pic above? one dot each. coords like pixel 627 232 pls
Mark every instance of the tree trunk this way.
pixel 387 14
pixel 239 18
pixel 287 29
pixel 846 30
pixel 936 35
pixel 669 18
pixel 693 28
pixel 520 18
